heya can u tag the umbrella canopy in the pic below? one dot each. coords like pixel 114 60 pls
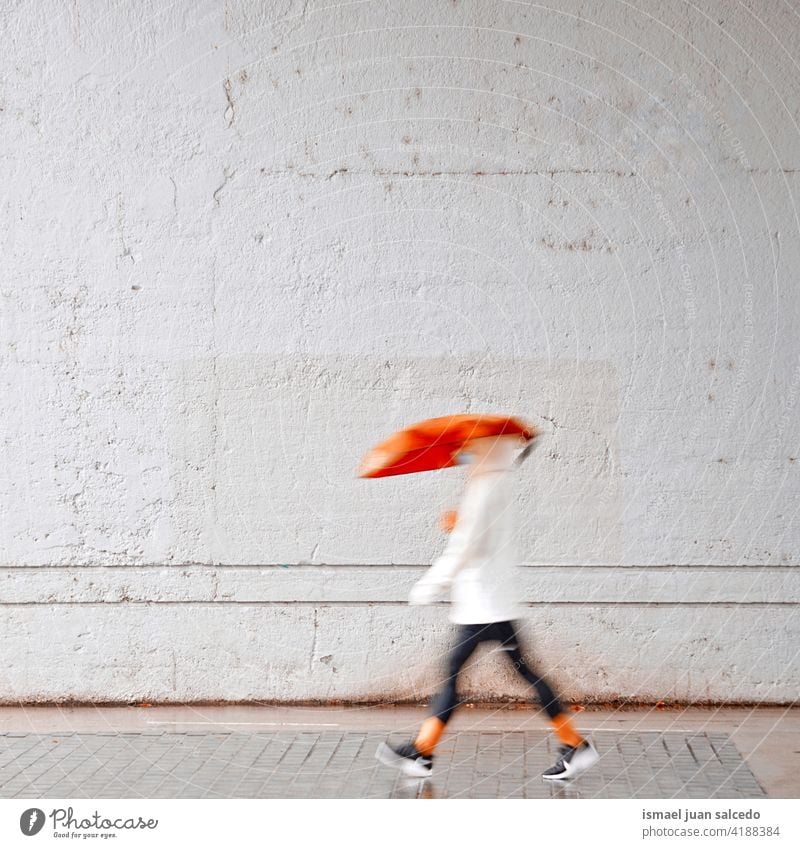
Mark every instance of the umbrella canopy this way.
pixel 436 443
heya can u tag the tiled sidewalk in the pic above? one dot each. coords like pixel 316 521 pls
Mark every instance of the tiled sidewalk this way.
pixel 341 764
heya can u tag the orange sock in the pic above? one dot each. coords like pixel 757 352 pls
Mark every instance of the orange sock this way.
pixel 429 735
pixel 562 724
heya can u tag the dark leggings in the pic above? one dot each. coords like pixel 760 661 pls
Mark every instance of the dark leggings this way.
pixel 468 637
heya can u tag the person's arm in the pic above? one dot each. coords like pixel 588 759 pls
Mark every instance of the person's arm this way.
pixel 464 543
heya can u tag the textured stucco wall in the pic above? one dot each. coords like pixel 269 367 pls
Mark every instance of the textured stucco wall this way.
pixel 244 240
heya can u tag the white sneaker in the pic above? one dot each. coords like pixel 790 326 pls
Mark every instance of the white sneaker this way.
pixel 573 761
pixel 406 758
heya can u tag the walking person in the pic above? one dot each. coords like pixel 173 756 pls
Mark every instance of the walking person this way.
pixel 478 569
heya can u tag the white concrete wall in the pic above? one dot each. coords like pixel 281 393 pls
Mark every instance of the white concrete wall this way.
pixel 244 240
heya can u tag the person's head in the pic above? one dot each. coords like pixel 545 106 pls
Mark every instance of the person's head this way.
pixel 490 452
pixel 494 452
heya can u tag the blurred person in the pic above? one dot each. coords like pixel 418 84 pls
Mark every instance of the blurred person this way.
pixel 478 570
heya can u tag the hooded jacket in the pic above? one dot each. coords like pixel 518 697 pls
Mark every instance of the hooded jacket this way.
pixel 478 566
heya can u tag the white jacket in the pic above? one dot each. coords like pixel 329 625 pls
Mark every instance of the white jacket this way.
pixel 479 565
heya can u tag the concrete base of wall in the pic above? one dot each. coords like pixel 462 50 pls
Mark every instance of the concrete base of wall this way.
pixel 237 634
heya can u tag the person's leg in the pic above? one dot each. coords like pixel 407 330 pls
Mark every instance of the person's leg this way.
pixel 416 758
pixel 468 637
pixel 560 720
pixel 577 753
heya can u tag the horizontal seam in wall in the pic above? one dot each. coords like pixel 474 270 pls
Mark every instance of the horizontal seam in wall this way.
pixel 315 566
pixel 761 604
pixel 464 172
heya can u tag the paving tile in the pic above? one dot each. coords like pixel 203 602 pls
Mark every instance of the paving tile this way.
pixel 338 764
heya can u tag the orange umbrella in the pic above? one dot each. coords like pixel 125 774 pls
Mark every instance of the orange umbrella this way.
pixel 436 443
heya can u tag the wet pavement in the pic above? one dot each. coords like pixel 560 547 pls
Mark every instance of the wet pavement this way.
pixel 286 752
